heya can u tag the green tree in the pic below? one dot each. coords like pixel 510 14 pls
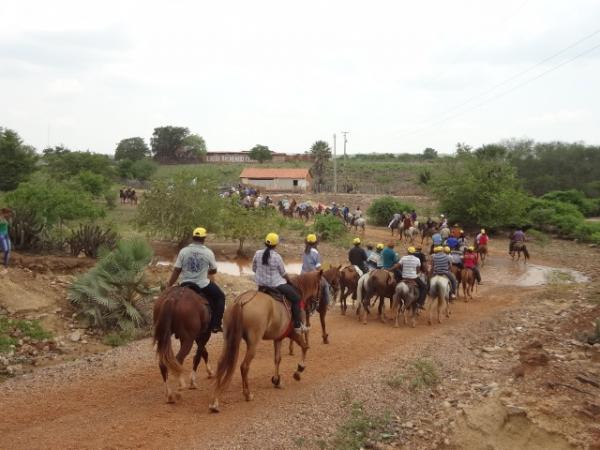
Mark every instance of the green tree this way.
pixel 480 192
pixel 17 161
pixel 167 141
pixel 321 154
pixel 491 151
pixel 132 148
pixel 64 164
pixel 260 153
pixel 143 169
pixel 244 224
pixel 383 209
pixel 171 209
pixel 95 184
pixel 430 153
pixel 462 148
pixel 196 147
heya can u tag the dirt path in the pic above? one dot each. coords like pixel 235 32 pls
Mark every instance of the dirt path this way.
pixel 117 401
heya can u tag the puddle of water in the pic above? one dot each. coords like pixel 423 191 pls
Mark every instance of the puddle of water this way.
pixel 239 267
pixel 507 272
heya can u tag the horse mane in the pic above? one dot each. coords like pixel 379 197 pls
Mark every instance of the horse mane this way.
pixel 307 283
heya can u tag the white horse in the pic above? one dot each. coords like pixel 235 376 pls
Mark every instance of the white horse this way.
pixel 405 298
pixel 359 222
pixel 410 233
pixel 439 288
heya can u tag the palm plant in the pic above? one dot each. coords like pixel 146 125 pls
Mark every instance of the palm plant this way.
pixel 321 153
pixel 115 293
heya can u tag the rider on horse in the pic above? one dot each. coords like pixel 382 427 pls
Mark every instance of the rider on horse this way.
pixel 374 257
pixel 194 263
pixel 410 265
pixel 388 256
pixel 441 266
pixel 518 236
pixel 311 261
pixel 357 256
pixel 470 260
pixel 270 273
pixel 482 238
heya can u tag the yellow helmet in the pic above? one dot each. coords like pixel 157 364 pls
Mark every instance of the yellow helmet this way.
pixel 471 248
pixel 438 249
pixel 462 231
pixel 447 249
pixel 199 232
pixel 380 246
pixel 311 238
pixel 356 241
pixel 272 239
pixel 483 231
pixel 411 250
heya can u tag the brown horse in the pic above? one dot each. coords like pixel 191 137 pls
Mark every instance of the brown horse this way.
pixel 381 284
pixel 482 251
pixel 457 271
pixel 348 284
pixel 468 282
pixel 332 275
pixel 182 312
pixel 518 248
pixel 254 316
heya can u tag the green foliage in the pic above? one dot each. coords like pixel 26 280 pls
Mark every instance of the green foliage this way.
pixel 424 374
pixel 540 237
pixel 95 184
pixel 132 149
pixel 17 161
pixel 141 170
pixel 586 206
pixel 90 238
pixel 172 144
pixel 115 294
pixel 329 228
pixel 52 202
pixel 564 219
pixel 321 154
pixel 63 164
pixel 10 328
pixel 243 224
pixel 425 176
pixel 361 428
pixel 26 229
pixel 382 210
pixel 260 153
pixel 480 192
pixel 171 209
pixel 430 153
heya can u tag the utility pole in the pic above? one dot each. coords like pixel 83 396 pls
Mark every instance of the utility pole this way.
pixel 334 166
pixel 345 133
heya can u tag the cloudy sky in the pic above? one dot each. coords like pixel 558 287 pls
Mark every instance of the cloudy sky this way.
pixel 399 75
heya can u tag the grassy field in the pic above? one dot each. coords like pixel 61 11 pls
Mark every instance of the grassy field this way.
pixel 366 177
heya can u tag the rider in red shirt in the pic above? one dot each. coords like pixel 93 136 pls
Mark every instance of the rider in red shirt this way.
pixel 470 261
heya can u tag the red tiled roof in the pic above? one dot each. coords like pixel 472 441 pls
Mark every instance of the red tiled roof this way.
pixel 273 172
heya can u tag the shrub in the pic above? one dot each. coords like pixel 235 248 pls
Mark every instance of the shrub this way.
pixel 115 294
pixel 381 210
pixel 26 229
pixel 586 206
pixel 90 238
pixel 329 227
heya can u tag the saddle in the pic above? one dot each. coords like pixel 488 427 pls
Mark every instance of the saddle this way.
pixel 273 293
pixel 410 282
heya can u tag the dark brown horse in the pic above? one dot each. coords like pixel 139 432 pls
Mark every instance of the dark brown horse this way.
pixel 382 284
pixel 332 275
pixel 482 251
pixel 518 248
pixel 182 312
pixel 256 316
pixel 348 283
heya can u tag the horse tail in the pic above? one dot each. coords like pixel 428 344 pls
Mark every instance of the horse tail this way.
pixel 231 346
pixel 162 337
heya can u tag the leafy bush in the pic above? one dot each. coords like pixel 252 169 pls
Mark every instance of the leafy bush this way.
pixel 586 206
pixel 142 169
pixel 93 183
pixel 16 160
pixel 26 229
pixel 90 238
pixel 329 227
pixel 115 294
pixel 241 223
pixel 381 210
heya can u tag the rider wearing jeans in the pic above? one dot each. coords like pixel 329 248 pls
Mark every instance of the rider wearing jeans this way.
pixel 195 262
pixel 410 265
pixel 441 266
pixel 4 238
pixel 269 272
pixel 470 260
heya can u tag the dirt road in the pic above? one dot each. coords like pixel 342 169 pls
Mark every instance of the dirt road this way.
pixel 116 401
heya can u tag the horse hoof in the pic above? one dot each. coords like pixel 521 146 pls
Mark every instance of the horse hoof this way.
pixel 326 340
pixel 297 376
pixel 193 386
pixel 210 375
pixel 429 322
pixel 249 397
pixel 214 409
pixel 276 380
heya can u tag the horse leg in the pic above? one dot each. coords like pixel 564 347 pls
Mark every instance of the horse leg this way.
pixel 171 397
pixel 291 349
pixel 276 379
pixel 302 363
pixel 200 353
pixel 380 310
pixel 430 310
pixel 186 346
pixel 322 314
pixel 251 343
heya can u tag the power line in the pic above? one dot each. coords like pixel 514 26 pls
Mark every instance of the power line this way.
pixel 508 80
pixel 514 88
